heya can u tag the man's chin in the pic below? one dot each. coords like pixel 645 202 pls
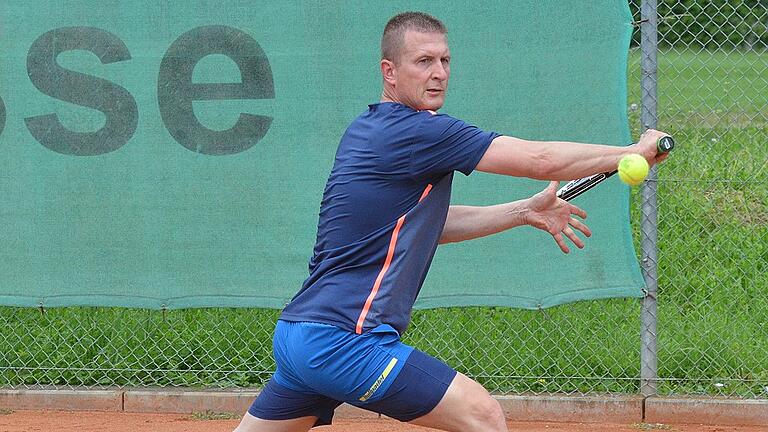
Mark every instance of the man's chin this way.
pixel 433 105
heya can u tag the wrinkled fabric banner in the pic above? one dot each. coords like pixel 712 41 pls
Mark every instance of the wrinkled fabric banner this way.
pixel 173 154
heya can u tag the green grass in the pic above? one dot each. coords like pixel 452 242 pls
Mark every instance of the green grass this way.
pixel 713 223
pixel 718 85
pixel 651 426
pixel 713 307
pixel 210 415
pixel 110 346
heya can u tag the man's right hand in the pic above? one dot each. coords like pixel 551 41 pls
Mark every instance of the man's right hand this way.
pixel 647 146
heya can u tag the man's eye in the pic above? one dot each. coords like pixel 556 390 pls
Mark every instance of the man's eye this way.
pixel 424 60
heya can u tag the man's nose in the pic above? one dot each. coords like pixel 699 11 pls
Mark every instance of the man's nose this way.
pixel 439 72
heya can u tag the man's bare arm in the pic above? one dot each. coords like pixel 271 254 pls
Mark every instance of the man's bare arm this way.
pixel 468 222
pixel 562 160
pixel 543 211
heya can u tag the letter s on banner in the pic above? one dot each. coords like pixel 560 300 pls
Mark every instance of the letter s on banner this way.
pixel 81 89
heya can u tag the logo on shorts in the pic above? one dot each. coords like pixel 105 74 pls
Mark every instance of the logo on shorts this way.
pixel 379 380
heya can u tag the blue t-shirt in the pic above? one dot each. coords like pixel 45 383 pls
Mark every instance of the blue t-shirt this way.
pixel 382 214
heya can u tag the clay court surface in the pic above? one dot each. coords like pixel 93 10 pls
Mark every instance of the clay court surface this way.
pixel 28 421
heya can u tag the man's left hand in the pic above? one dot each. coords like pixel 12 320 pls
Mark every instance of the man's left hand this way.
pixel 549 213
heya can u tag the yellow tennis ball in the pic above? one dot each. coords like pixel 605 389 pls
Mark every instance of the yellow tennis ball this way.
pixel 633 169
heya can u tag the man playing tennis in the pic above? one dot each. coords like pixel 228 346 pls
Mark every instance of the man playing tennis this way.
pixel 384 210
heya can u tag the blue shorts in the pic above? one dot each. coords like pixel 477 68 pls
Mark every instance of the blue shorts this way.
pixel 319 366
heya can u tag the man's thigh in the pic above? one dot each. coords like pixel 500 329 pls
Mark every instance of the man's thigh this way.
pixel 417 389
pixel 465 406
pixel 279 405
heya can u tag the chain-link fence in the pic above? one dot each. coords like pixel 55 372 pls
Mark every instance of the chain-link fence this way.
pixel 709 329
pixel 713 198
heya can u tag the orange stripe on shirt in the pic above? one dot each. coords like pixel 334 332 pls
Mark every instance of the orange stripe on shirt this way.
pixel 425 193
pixel 387 263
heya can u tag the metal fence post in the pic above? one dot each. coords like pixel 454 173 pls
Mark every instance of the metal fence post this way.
pixel 648 117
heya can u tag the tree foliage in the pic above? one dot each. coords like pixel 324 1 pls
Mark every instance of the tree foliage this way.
pixel 711 24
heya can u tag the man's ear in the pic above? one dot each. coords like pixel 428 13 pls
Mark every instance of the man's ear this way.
pixel 388 72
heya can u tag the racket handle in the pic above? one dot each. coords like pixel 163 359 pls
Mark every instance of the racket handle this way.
pixel 665 144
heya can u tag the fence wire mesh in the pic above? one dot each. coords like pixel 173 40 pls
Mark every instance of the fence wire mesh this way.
pixel 713 261
pixel 712 95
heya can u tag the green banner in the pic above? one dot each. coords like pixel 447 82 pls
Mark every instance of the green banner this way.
pixel 173 154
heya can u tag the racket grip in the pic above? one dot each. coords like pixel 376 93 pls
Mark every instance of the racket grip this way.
pixel 665 144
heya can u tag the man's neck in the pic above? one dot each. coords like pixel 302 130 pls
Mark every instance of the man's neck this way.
pixel 386 96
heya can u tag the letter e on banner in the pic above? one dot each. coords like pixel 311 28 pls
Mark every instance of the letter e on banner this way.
pixel 176 91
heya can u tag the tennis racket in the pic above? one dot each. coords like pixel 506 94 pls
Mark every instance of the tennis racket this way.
pixel 574 188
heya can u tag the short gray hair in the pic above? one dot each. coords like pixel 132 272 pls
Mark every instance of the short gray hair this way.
pixel 394 31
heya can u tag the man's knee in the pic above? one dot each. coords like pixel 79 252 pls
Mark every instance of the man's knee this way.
pixel 482 407
pixel 466 406
pixel 488 411
pixel 247 424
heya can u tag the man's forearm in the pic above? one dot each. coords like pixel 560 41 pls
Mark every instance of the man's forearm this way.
pixel 549 160
pixel 467 222
pixel 543 211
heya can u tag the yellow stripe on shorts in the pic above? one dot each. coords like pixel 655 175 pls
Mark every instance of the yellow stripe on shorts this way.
pixel 379 380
